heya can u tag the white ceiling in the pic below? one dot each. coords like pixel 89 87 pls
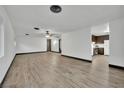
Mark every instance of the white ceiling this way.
pixel 99 30
pixel 72 17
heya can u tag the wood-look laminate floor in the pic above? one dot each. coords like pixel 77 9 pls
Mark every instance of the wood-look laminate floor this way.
pixel 51 70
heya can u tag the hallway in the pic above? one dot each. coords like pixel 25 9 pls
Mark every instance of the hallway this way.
pixel 53 70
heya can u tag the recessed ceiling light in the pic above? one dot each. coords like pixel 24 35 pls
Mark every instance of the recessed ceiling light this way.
pixel 26 34
pixel 36 28
pixel 55 8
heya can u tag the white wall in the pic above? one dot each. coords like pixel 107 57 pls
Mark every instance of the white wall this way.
pixel 26 44
pixel 123 46
pixel 9 44
pixel 55 44
pixel 117 42
pixel 1 38
pixel 77 44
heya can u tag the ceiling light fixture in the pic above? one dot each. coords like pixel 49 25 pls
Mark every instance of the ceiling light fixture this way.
pixel 55 8
pixel 47 36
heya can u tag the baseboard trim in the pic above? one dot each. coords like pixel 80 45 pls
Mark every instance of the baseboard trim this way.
pixel 7 72
pixel 77 58
pixel 115 66
pixel 31 53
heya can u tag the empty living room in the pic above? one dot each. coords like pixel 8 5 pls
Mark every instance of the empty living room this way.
pixel 61 46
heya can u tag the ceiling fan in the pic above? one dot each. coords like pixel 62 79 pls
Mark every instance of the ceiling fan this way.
pixel 47 34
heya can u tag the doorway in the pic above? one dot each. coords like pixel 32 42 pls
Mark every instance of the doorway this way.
pixel 48 45
pixel 54 45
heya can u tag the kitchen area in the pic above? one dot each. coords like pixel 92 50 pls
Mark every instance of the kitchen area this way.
pixel 100 40
pixel 100 45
